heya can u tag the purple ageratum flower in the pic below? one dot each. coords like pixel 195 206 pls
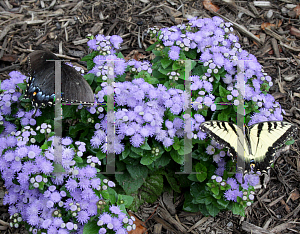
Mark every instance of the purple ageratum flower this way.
pixel 44 165
pixel 210 150
pixel 68 152
pixel 207 86
pixel 9 155
pixel 121 231
pixel 117 224
pixel 66 141
pixel 87 193
pixel 232 182
pixel 55 197
pixel 236 102
pixel 102 231
pixel 168 142
pixel 105 217
pixel 92 44
pixel 176 109
pixel 35 148
pixel 137 140
pixel 231 195
pixel 115 209
pixel 69 225
pixel 95 182
pixel 71 185
pixel 83 217
pixel 174 52
pixel 84 183
pixel 219 179
pixel 116 41
pixel 89 171
pixel 178 123
pixel 111 184
pixel 252 179
pixel 120 66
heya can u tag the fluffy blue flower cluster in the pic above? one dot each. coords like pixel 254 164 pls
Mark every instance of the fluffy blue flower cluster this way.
pixel 140 113
pixel 142 110
pixel 141 107
pixel 219 49
pixel 27 169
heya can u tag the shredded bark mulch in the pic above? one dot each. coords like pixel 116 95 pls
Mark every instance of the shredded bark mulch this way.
pixel 267 29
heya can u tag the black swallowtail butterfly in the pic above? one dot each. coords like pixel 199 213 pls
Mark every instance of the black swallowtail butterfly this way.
pixel 41 83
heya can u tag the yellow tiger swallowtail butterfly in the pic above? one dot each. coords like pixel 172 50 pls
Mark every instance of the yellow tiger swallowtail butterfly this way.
pixel 259 142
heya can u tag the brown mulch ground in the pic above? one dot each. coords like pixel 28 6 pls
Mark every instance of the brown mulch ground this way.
pixel 269 31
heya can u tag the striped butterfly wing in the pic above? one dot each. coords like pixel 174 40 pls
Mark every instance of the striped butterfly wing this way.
pixel 228 135
pixel 265 138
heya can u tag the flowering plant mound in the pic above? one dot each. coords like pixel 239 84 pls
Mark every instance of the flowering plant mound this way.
pixel 66 192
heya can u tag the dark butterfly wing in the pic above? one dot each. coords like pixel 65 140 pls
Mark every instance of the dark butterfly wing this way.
pixel 74 87
pixel 41 84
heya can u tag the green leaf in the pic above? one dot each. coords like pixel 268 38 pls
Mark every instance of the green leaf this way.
pixel 129 184
pixel 39 137
pixel 223 116
pixel 215 190
pixel 162 161
pixel 134 155
pixel 177 157
pixel 188 205
pixel 164 71
pixel 198 70
pixel 120 55
pixel 223 92
pixel 192 53
pixel 152 46
pixel 180 86
pixel 138 151
pixel 91 227
pixel 202 172
pixel 173 182
pixel 89 78
pixel 152 188
pixel 78 159
pixel 145 146
pixel 127 200
pixel 112 195
pixel 223 203
pixel 185 147
pixel 126 152
pixel 136 172
pixel 89 56
pixel 176 66
pixel 238 209
pixel 157 53
pixel 146 160
pixel 137 202
pixel 20 85
pixel 212 210
pixel 290 142
pixel 69 111
pixel 100 155
pixel 73 130
pixel 90 64
pixel 105 194
pixel 165 62
pixel 176 144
